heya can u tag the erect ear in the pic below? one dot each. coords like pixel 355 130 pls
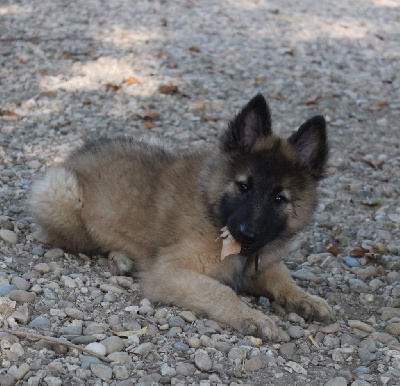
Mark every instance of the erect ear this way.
pixel 310 142
pixel 253 122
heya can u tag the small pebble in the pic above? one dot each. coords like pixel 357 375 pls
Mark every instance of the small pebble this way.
pixel 86 339
pixel 176 321
pixel 34 164
pixel 330 328
pixel 365 355
pixel 194 342
pixel 237 353
pixel 54 253
pixel 95 328
pixel 222 346
pixel 38 251
pixel 42 268
pixel 8 236
pixel 295 332
pixel 22 296
pixel 20 283
pixel 202 360
pixel 22 315
pixel 304 274
pixel 40 322
pixel 17 349
pixel 287 349
pixel 360 325
pixel 393 329
pixel 179 346
pixel 113 343
pixel 253 364
pixel 101 371
pixel 358 286
pixel 185 369
pixel 15 209
pixel 97 348
pixel 111 288
pixel 352 262
pixel 144 349
pixel 120 357
pixel 49 294
pixel 5 289
pixel 52 381
pixel 73 313
pixel 390 313
pixel 263 301
pixel 337 381
pixel 188 316
pixel 69 282
pixel 7 380
pixel 21 371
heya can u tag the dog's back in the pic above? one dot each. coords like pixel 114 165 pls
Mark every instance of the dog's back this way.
pixel 117 195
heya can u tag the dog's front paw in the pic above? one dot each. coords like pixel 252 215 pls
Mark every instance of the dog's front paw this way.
pixel 259 325
pixel 119 264
pixel 310 307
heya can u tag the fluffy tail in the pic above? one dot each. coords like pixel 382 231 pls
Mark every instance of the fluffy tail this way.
pixel 56 204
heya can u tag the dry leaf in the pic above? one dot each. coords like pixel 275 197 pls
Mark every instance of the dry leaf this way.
pixel 357 252
pixel 127 334
pixel 194 49
pixel 374 256
pixel 149 124
pixel 313 101
pixel 168 89
pixel 49 94
pixel 255 341
pixel 172 65
pixel 132 80
pixel 313 341
pixel 371 203
pixel 112 86
pixel 207 118
pixel 289 52
pixel 229 245
pixel 151 115
pixel 7 113
pixel 334 250
pixel 21 60
pixel 201 106
pixel 381 103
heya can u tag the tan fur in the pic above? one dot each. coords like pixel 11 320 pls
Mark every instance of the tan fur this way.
pixel 150 205
pixel 56 203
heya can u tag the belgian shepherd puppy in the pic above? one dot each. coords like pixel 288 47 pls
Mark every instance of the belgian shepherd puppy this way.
pixel 160 211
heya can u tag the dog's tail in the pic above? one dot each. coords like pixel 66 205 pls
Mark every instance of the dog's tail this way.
pixel 56 203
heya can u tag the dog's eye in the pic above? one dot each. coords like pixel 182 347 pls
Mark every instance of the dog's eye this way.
pixel 243 188
pixel 280 199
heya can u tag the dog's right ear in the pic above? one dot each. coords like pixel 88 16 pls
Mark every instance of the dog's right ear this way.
pixel 252 123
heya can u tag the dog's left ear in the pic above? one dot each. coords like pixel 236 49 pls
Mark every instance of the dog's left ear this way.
pixel 311 144
pixel 253 122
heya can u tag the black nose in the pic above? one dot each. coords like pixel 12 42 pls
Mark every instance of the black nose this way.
pixel 245 235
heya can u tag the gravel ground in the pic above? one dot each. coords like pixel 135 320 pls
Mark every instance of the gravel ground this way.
pixel 179 69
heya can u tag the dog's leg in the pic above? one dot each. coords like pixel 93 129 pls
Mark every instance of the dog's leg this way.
pixel 275 281
pixel 186 288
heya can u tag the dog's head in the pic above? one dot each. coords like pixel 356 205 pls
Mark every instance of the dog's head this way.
pixel 261 186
